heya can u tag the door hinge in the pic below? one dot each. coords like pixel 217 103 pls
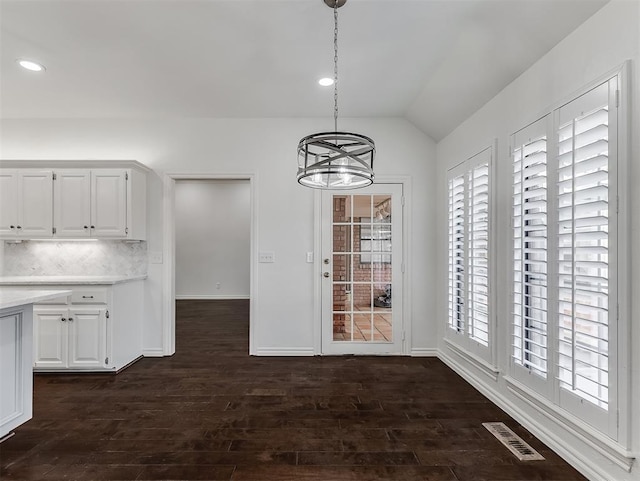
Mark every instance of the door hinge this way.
pixel 618 418
pixel 402 200
pixel 617 98
pixel 617 204
pixel 107 314
pixel 402 267
pixel 54 176
pixel 53 230
pixel 106 360
pixel 403 335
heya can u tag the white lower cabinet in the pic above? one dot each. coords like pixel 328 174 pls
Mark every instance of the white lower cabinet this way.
pixel 70 338
pixel 16 389
pixel 94 329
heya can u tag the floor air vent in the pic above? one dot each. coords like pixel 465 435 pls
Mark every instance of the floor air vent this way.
pixel 513 442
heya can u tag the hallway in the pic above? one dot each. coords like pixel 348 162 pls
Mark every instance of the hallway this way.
pixel 211 412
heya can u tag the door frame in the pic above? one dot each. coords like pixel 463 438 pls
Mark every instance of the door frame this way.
pixel 405 181
pixel 169 255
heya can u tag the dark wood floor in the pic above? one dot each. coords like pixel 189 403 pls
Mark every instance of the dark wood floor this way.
pixel 213 413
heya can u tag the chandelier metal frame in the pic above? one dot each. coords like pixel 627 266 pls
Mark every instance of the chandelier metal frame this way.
pixel 335 160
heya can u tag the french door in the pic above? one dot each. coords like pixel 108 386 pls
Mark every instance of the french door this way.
pixel 362 267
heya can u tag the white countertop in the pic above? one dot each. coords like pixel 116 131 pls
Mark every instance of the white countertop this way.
pixel 66 280
pixel 21 297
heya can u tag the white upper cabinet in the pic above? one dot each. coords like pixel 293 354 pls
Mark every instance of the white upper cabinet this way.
pixel 25 204
pixel 109 203
pixel 72 203
pixel 87 201
pixel 100 203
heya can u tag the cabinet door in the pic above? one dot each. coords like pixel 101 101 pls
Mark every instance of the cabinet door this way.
pixel 50 337
pixel 10 369
pixel 87 337
pixel 72 203
pixel 35 198
pixel 109 203
pixel 8 203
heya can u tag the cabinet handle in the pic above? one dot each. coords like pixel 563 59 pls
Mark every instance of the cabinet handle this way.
pixel 64 319
pixel 87 297
pixel 93 226
pixel 19 227
pixel 86 226
pixel 12 226
pixel 71 319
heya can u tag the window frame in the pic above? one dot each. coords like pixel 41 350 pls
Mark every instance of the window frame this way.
pixel 458 334
pixel 613 422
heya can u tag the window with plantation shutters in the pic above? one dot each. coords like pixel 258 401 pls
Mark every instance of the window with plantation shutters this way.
pixel 584 246
pixel 565 256
pixel 469 207
pixel 529 335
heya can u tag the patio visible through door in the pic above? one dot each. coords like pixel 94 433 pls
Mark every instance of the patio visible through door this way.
pixel 362 271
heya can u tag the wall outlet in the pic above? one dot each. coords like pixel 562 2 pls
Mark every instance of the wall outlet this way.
pixel 266 256
pixel 155 257
pixel 217 285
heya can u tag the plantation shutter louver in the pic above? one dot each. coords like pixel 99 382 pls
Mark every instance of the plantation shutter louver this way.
pixel 529 334
pixel 456 253
pixel 478 253
pixel 583 246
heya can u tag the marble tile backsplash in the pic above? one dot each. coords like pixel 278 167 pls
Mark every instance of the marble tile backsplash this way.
pixel 72 258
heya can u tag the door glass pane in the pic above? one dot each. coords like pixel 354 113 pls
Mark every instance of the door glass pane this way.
pixel 341 238
pixel 362 327
pixel 341 326
pixel 341 268
pixel 382 326
pixel 340 208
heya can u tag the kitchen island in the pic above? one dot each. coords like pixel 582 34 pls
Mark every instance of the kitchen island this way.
pixel 16 353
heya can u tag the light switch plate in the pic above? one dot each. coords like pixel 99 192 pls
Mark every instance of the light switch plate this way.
pixel 155 257
pixel 309 257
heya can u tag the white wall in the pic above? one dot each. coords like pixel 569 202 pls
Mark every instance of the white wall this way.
pixel 597 47
pixel 265 148
pixel 212 229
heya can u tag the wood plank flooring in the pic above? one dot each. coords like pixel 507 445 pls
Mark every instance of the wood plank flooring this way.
pixel 211 412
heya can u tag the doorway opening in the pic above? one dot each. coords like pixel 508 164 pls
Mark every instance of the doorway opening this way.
pixel 209 244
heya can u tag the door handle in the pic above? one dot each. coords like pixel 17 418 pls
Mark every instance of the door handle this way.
pixel 326 274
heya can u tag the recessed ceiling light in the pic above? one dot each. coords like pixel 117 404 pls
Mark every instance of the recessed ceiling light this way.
pixel 30 65
pixel 325 82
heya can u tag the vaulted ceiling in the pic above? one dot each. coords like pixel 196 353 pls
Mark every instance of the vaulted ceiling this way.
pixel 434 62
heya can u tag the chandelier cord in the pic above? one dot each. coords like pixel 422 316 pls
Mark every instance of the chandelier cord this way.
pixel 335 65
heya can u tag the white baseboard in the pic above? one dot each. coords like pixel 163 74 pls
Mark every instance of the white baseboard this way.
pixel 190 297
pixel 424 352
pixel 153 352
pixel 284 351
pixel 587 465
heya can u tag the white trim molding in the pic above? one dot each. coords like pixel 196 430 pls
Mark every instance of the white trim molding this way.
pixel 587 434
pixel 475 360
pixel 208 297
pixel 285 351
pixel 153 352
pixel 424 352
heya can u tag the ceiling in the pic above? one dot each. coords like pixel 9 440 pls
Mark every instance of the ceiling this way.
pixel 434 62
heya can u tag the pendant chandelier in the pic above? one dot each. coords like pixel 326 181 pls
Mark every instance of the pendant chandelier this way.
pixel 335 160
